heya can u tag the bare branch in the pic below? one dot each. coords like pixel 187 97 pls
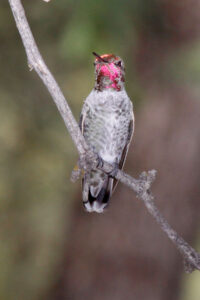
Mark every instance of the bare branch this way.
pixel 88 160
pixel 36 62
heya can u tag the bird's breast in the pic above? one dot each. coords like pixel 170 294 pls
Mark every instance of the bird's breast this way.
pixel 106 130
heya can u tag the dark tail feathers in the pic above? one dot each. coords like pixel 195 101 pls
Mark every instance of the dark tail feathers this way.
pixel 99 203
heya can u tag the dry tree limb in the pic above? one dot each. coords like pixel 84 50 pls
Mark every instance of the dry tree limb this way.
pixel 88 160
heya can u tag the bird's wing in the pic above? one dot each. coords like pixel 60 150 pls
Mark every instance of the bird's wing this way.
pixel 81 124
pixel 125 150
pixel 83 115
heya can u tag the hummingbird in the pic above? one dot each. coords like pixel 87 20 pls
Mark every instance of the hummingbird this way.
pixel 107 124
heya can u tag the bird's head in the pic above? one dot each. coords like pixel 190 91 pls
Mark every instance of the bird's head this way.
pixel 109 71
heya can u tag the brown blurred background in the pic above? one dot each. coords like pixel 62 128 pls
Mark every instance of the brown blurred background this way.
pixel 50 248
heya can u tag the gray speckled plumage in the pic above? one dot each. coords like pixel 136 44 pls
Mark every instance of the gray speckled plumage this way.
pixel 107 123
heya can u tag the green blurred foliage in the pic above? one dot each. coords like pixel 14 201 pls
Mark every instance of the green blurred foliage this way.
pixel 184 66
pixel 36 152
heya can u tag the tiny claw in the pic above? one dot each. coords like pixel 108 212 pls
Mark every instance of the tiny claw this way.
pixel 99 162
pixel 114 171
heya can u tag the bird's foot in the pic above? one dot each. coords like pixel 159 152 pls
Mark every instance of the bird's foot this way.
pixel 114 171
pixel 99 162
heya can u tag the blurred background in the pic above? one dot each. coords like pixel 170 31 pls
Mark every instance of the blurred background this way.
pixel 50 248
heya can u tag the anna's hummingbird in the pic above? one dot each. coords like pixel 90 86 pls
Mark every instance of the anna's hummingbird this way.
pixel 107 123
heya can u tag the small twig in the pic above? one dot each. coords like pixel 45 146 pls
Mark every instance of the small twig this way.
pixel 88 160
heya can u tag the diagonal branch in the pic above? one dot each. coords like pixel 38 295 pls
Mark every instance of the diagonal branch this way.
pixel 88 159
pixel 36 62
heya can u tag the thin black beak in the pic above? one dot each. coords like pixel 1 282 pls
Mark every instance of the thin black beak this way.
pixel 99 57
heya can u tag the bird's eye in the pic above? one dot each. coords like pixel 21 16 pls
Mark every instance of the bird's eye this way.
pixel 119 63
